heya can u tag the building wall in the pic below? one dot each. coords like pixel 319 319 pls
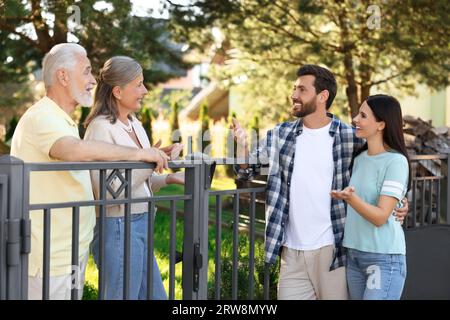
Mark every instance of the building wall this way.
pixel 217 135
pixel 428 105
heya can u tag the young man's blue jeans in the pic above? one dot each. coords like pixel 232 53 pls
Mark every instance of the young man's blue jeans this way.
pixel 375 276
pixel 114 259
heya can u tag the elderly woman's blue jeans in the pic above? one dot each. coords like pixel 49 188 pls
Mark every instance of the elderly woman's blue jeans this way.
pixel 115 259
pixel 375 276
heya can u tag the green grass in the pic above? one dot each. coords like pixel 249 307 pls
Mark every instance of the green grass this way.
pixel 162 241
pixel 161 245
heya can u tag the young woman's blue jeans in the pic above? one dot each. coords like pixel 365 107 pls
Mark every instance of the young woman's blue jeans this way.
pixel 114 259
pixel 375 276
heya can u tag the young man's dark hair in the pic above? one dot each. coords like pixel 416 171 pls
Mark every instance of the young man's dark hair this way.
pixel 324 80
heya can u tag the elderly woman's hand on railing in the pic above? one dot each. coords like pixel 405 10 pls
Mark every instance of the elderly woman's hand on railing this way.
pixel 175 178
pixel 173 151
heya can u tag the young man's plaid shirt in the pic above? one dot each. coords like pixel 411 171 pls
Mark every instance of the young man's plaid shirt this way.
pixel 277 150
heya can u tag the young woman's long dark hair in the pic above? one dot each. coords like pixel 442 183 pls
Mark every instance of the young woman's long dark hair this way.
pixel 386 108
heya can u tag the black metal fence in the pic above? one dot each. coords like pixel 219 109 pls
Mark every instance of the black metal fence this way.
pixel 428 205
pixel 430 191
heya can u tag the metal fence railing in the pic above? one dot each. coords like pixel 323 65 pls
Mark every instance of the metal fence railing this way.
pixel 15 224
pixel 430 191
pixel 16 230
pixel 428 202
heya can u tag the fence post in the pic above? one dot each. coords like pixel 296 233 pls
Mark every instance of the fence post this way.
pixel 206 175
pixel 13 266
pixel 190 232
pixel 447 201
pixel 195 239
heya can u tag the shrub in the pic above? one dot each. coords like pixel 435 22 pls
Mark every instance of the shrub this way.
pixel 90 292
pixel 243 270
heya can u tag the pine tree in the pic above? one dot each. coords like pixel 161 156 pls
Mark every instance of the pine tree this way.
pixel 174 110
pixel 146 116
pixel 254 133
pixel 230 145
pixel 204 120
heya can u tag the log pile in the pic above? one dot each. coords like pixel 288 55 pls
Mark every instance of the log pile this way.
pixel 422 138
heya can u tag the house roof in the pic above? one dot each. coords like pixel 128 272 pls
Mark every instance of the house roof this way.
pixel 217 100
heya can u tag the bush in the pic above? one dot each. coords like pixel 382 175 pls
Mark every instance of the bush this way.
pixel 90 292
pixel 243 270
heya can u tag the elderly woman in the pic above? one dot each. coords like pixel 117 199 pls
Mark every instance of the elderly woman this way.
pixel 118 96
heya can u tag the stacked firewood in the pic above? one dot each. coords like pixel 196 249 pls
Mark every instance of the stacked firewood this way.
pixel 426 196
pixel 422 138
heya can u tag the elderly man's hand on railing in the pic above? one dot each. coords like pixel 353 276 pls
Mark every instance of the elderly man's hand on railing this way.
pixel 155 155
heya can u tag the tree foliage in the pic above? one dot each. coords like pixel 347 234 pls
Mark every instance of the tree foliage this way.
pixel 177 100
pixel 28 29
pixel 367 44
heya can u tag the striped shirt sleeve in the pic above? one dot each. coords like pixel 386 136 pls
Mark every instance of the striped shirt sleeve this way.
pixel 396 178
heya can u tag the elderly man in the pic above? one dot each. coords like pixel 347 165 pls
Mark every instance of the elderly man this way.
pixel 47 133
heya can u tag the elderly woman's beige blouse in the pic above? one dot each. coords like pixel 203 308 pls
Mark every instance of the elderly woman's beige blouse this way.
pixel 144 181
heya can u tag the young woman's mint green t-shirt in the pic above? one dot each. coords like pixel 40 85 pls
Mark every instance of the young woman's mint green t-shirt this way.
pixel 382 174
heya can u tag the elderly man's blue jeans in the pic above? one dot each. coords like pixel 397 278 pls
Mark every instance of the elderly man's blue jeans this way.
pixel 375 276
pixel 115 259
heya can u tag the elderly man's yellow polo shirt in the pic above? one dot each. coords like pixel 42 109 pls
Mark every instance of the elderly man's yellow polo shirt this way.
pixel 38 129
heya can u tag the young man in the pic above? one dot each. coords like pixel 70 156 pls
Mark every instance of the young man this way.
pixel 47 133
pixel 307 159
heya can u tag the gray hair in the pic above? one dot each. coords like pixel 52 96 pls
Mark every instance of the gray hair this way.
pixel 117 71
pixel 62 55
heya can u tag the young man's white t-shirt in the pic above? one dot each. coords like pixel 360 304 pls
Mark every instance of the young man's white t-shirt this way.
pixel 309 225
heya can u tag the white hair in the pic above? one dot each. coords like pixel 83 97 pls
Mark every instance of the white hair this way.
pixel 62 55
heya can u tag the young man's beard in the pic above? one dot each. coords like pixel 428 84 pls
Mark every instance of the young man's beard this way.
pixel 307 108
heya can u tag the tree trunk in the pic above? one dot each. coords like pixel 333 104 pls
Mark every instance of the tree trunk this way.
pixel 353 104
pixel 364 91
pixel 60 32
pixel 352 89
pixel 366 63
pixel 60 29
pixel 45 42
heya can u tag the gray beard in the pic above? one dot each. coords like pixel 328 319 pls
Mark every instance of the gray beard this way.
pixel 81 98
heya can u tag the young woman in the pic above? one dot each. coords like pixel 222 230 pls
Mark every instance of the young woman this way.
pixel 118 96
pixel 376 264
